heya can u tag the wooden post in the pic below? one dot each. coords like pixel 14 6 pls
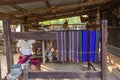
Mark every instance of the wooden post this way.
pixel 0 70
pixel 43 52
pixel 104 35
pixel 8 44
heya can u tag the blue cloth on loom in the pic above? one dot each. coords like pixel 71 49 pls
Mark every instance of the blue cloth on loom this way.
pixel 92 45
pixel 74 46
pixel 84 46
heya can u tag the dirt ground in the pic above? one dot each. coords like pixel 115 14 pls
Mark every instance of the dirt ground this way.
pixel 53 67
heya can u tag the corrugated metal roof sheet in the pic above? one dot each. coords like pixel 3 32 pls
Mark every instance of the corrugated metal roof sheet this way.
pixel 33 5
pixel 6 9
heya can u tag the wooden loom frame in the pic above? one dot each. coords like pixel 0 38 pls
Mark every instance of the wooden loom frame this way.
pixel 8 36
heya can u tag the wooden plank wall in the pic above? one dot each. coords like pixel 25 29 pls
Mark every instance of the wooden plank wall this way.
pixel 113 22
pixel 114 37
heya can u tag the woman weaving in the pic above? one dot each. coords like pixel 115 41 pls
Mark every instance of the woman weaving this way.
pixel 24 49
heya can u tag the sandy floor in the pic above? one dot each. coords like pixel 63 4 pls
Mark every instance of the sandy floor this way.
pixel 53 67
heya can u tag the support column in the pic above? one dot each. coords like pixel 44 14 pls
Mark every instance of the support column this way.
pixel 8 44
pixel 104 35
pixel 0 70
pixel 43 51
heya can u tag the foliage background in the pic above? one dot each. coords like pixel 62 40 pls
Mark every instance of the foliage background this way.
pixel 71 20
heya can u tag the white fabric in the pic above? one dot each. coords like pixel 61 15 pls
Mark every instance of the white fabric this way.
pixel 25 46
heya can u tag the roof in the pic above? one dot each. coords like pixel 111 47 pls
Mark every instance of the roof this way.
pixel 40 10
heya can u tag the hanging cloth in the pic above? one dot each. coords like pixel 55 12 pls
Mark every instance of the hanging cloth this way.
pixel 74 46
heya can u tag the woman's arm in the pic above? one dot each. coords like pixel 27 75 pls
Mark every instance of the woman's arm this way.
pixel 19 52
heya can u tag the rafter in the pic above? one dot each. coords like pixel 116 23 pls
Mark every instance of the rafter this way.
pixel 67 14
pixel 49 6
pixel 4 15
pixel 59 8
pixel 18 8
pixel 59 15
pixel 56 15
pixel 9 2
pixel 47 3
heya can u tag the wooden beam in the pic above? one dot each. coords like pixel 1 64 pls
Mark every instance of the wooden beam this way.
pixel 21 10
pixel 9 16
pixel 4 15
pixel 63 7
pixel 45 17
pixel 62 15
pixel 34 35
pixel 55 16
pixel 47 3
pixel 51 7
pixel 62 75
pixel 8 44
pixel 9 2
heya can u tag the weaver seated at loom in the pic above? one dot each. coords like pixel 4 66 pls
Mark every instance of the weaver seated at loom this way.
pixel 24 49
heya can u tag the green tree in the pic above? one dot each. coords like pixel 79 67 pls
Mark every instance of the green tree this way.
pixel 71 20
